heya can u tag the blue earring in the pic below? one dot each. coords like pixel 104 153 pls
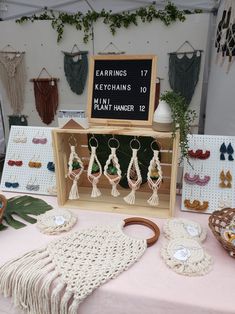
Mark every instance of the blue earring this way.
pixel 230 152
pixel 223 150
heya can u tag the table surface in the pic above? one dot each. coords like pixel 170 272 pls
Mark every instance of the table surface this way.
pixel 149 286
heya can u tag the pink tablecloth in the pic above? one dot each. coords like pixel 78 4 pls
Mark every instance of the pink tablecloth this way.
pixel 149 286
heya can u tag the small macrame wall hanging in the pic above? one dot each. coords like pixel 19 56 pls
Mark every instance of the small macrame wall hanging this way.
pixel 184 69
pixel 17 120
pixel 75 168
pixel 94 170
pixel 56 221
pixel 134 177
pixel 13 76
pixel 46 96
pixel 76 69
pixel 64 273
pixel 225 35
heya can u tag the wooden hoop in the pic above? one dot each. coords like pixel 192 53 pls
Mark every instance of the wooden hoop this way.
pixel 144 222
pixel 3 201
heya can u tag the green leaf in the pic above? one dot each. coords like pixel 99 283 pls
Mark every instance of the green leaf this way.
pixel 23 207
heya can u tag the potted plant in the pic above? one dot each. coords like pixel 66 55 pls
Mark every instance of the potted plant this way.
pixel 95 170
pixel 182 118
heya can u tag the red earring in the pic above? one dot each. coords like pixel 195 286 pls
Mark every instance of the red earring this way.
pixel 195 154
pixel 205 155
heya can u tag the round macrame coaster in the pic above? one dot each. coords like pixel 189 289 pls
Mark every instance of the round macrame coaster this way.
pixel 183 228
pixel 186 257
pixel 56 221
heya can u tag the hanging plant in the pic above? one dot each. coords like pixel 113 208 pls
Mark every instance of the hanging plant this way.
pixel 115 21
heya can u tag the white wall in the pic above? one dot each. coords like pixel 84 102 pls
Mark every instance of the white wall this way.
pixel 220 109
pixel 38 40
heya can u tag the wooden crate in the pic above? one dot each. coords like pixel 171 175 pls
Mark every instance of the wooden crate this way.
pixel 106 202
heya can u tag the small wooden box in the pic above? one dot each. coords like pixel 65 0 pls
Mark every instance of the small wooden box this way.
pixel 106 202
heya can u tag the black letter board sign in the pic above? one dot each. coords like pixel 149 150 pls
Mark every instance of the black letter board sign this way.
pixel 122 89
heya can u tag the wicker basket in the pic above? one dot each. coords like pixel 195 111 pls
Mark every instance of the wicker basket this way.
pixel 219 220
pixel 3 205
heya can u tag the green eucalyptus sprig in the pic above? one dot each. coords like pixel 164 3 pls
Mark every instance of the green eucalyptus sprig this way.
pixel 115 21
pixel 182 116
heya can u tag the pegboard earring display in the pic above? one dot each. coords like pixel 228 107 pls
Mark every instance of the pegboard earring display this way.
pixel 208 180
pixel 25 169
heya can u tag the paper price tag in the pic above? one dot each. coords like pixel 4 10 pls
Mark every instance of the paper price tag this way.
pixel 59 220
pixel 182 254
pixel 192 230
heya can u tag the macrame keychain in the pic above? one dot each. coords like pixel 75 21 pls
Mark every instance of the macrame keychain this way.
pixel 75 169
pixel 112 169
pixel 154 177
pixel 63 274
pixel 134 177
pixel 94 171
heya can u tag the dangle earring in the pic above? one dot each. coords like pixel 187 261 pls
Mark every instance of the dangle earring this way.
pixel 133 173
pixel 229 179
pixel 191 179
pixel 154 176
pixel 222 184
pixel 230 152
pixel 191 204
pixel 94 171
pixel 112 169
pixel 75 169
pixel 222 150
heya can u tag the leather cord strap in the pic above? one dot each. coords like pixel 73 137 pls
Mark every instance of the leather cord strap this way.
pixel 147 223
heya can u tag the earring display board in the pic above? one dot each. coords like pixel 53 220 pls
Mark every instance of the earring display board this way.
pixel 29 166
pixel 122 89
pixel 208 180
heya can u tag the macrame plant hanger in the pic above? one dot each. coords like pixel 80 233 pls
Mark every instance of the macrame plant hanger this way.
pixel 46 96
pixel 93 174
pixel 134 177
pixel 112 169
pixel 76 69
pixel 184 71
pixel 116 50
pixel 13 76
pixel 154 176
pixel 75 169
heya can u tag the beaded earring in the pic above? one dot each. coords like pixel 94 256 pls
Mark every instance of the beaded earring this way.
pixel 134 177
pixel 94 171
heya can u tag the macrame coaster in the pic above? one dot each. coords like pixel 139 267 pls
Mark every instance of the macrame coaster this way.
pixel 154 169
pixel 56 221
pixel 94 177
pixel 112 160
pixel 184 73
pixel 134 177
pixel 183 228
pixel 46 98
pixel 13 76
pixel 57 278
pixel 76 70
pixel 74 174
pixel 186 257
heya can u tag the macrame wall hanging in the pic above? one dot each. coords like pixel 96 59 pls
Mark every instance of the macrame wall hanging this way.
pixel 134 177
pixel 94 170
pixel 154 176
pixel 57 278
pixel 107 51
pixel 157 92
pixel 46 96
pixel 184 69
pixel 112 169
pixel 76 69
pixel 225 35
pixel 75 169
pixel 17 120
pixel 13 76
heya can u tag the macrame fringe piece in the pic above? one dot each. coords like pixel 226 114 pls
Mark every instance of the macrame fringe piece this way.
pixel 154 184
pixel 113 179
pixel 94 178
pixel 134 183
pixel 186 257
pixel 74 174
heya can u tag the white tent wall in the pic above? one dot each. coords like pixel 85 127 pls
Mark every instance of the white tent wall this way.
pixel 220 112
pixel 38 40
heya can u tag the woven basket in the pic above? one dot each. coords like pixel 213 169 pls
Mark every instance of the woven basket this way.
pixel 3 205
pixel 219 220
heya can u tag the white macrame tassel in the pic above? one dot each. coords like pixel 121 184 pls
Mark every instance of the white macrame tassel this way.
pixel 154 184
pixel 74 174
pixel 116 179
pixel 94 178
pixel 133 184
